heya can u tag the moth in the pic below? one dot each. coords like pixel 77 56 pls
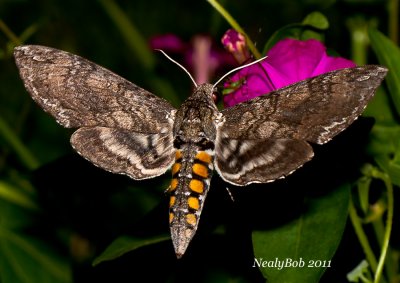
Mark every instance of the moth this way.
pixel 125 129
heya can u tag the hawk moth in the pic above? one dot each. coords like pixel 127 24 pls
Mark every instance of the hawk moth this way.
pixel 125 129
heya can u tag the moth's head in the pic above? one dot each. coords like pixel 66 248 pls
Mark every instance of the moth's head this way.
pixel 205 90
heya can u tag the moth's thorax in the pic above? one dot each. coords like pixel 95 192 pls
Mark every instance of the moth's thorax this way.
pixel 195 120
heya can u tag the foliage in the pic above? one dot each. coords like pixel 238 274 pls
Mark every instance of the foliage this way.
pixel 59 214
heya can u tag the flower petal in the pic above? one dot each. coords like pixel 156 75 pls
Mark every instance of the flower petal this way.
pixel 168 42
pixel 235 43
pixel 288 62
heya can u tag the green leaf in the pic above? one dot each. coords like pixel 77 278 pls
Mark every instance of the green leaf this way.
pixel 388 55
pixel 25 260
pixel 310 27
pixel 391 168
pixel 14 195
pixel 379 108
pixel 13 217
pixel 125 244
pixel 384 139
pixel 316 20
pixel 312 238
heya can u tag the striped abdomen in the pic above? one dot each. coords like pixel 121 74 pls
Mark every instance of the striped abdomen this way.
pixel 191 175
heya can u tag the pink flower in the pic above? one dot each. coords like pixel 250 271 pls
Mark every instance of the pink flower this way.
pixel 168 42
pixel 288 62
pixel 235 43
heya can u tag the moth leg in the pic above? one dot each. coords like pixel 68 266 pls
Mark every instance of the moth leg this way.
pixel 230 194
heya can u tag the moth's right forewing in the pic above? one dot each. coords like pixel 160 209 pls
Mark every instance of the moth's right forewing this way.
pixel 79 93
pixel 314 110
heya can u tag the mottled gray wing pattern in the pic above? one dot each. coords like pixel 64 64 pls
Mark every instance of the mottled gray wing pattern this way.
pixel 267 137
pixel 139 156
pixel 243 161
pixel 313 110
pixel 79 93
pixel 123 128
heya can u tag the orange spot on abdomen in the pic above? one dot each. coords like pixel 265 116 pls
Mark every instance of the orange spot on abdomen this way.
pixel 200 170
pixel 204 157
pixel 175 168
pixel 174 184
pixel 194 203
pixel 191 219
pixel 178 154
pixel 196 186
pixel 172 200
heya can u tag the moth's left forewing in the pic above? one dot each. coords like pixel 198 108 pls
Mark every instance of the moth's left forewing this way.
pixel 79 93
pixel 267 137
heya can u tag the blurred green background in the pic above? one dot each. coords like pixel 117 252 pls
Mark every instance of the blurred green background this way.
pixel 58 212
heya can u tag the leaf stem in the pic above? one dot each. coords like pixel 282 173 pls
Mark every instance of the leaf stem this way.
pixel 22 151
pixel 225 14
pixel 389 221
pixel 393 20
pixel 131 34
pixel 362 237
pixel 14 195
pixel 8 32
pixel 138 45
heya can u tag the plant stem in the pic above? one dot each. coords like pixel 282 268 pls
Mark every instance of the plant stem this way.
pixel 21 150
pixel 14 195
pixel 359 39
pixel 139 47
pixel 389 221
pixel 8 32
pixel 130 33
pixel 393 22
pixel 362 237
pixel 224 13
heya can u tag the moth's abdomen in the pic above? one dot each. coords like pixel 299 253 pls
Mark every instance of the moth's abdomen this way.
pixel 191 175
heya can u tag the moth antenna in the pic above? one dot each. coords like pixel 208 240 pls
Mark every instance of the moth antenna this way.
pixel 238 68
pixel 183 68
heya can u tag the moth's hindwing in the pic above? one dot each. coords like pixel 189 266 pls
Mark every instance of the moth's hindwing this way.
pixel 242 162
pixel 313 110
pixel 267 137
pixel 137 155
